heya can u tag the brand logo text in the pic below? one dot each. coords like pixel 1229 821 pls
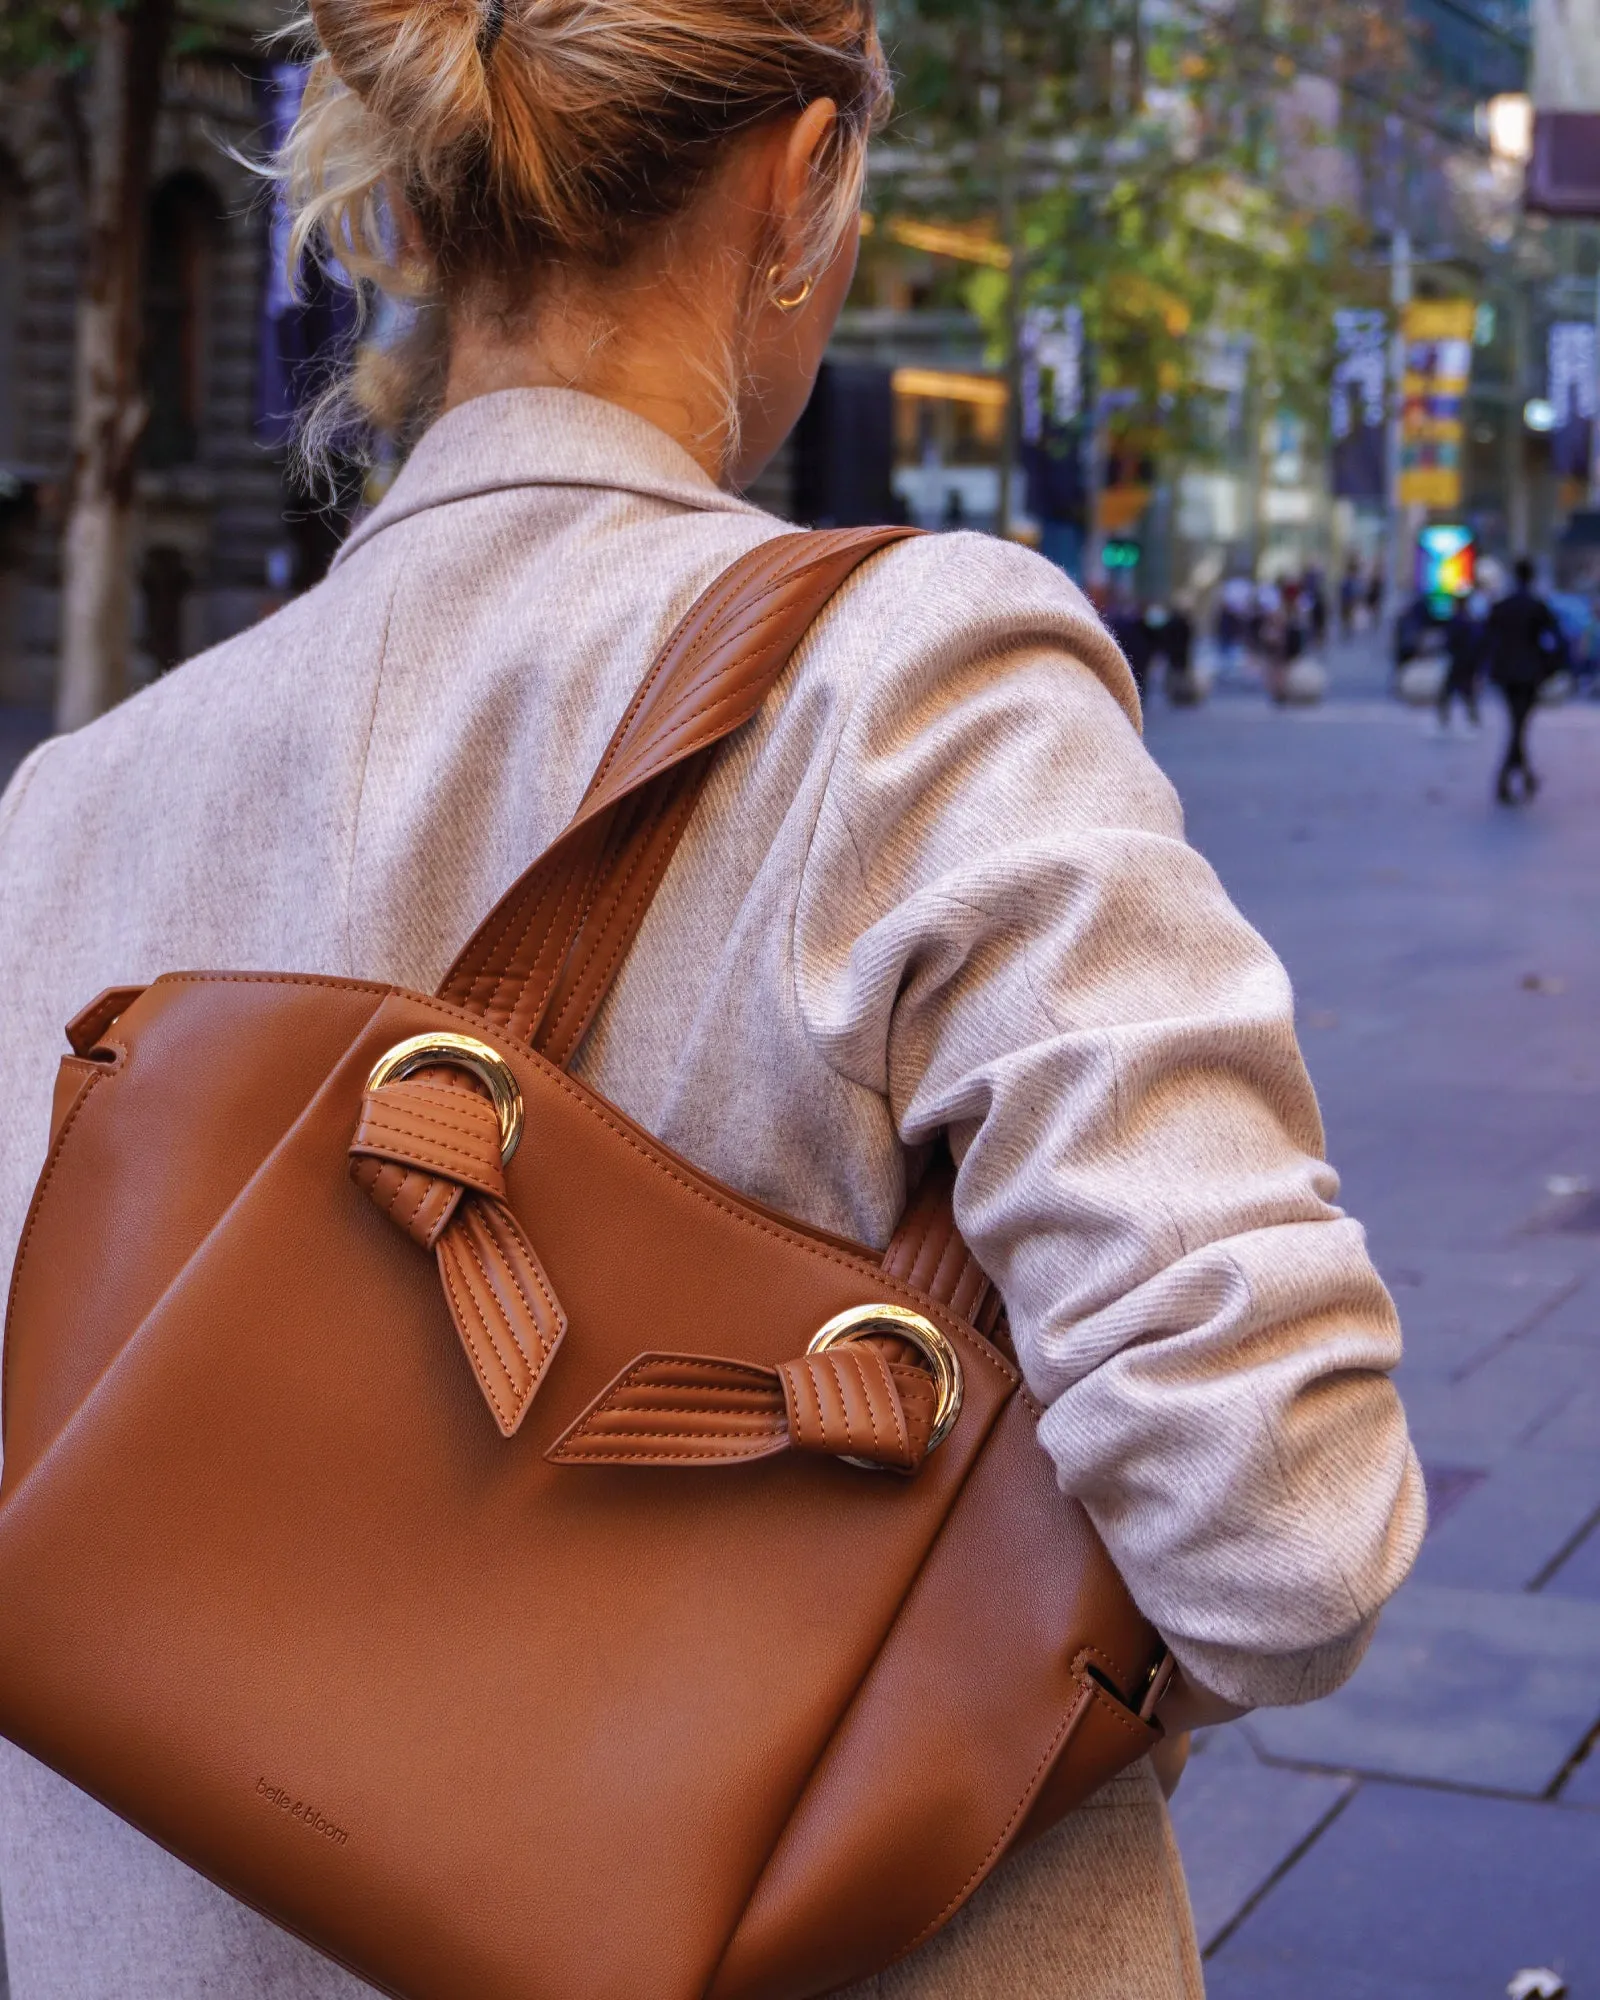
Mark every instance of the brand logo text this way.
pixel 308 1816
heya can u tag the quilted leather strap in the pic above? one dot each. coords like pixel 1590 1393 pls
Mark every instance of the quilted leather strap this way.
pixel 427 1151
pixel 539 968
pixel 690 1410
pixel 544 959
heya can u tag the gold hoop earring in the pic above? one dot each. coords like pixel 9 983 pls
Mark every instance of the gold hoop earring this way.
pixel 795 300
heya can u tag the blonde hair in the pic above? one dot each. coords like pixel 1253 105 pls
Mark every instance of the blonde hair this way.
pixel 452 149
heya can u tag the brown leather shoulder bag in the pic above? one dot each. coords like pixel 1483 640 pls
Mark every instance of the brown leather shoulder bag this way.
pixel 698 1617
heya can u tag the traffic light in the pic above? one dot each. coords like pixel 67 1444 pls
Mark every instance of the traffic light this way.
pixel 1121 552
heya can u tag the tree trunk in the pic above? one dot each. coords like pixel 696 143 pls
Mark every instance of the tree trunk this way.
pixel 108 406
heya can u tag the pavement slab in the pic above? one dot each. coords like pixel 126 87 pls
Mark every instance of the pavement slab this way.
pixel 1575 1320
pixel 1503 1402
pixel 1582 1788
pixel 1574 1424
pixel 1578 1575
pixel 1511 1528
pixel 1239 1822
pixel 1461 1308
pixel 1410 1892
pixel 1492 1690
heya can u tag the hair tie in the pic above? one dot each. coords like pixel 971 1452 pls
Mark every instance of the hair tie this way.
pixel 494 21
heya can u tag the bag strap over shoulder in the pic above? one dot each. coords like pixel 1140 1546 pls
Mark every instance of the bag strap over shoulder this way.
pixel 542 962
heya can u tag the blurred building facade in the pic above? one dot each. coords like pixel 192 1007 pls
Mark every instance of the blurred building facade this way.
pixel 213 551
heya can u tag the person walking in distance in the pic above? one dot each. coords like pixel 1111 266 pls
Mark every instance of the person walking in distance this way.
pixel 1463 641
pixel 1523 647
pixel 1349 598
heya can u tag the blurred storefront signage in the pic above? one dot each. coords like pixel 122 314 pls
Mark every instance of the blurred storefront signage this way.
pixel 1438 372
pixel 1574 356
pixel 1564 172
pixel 1358 413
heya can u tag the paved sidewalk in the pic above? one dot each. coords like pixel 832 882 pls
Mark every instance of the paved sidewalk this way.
pixel 1435 1828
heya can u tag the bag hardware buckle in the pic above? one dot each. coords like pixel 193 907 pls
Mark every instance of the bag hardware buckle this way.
pixel 447 1051
pixel 862 1322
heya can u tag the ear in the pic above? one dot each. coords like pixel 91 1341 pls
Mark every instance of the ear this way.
pixel 793 188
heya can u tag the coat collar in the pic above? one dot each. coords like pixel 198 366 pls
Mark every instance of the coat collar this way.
pixel 541 437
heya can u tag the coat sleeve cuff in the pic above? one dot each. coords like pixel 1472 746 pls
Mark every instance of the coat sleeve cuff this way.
pixel 1279 1680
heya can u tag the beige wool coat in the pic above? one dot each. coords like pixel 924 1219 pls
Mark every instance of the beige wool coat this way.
pixel 936 884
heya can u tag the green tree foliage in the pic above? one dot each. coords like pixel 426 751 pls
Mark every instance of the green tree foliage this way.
pixel 1169 165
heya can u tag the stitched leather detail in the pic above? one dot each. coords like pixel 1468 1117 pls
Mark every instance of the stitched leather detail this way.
pixel 419 1203
pixel 927 1251
pixel 87 1026
pixel 553 943
pixel 427 1152
pixel 679 1409
pixel 435 1127
pixel 504 1310
pixel 1069 1723
pixel 687 1410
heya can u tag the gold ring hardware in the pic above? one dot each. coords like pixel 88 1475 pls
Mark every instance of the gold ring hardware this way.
pixel 445 1051
pixel 862 1322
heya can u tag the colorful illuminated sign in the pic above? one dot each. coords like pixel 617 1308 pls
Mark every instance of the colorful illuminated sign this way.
pixel 1447 562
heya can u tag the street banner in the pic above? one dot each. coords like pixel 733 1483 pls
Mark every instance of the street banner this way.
pixel 1054 436
pixel 1052 370
pixel 1358 407
pixel 1433 406
pixel 1574 379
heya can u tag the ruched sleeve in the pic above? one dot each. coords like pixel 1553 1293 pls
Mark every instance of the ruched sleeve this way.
pixel 1001 928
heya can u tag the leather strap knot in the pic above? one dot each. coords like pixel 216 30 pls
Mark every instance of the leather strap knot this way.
pixel 853 1403
pixel 427 1151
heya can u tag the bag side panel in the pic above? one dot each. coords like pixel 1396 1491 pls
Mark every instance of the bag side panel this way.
pixel 283 1596
pixel 979 1694
pixel 210 1074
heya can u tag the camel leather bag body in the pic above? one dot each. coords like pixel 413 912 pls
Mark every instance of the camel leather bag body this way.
pixel 512 1561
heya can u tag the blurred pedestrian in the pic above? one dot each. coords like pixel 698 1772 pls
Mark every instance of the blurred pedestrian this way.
pixel 1523 646
pixel 1131 630
pixel 1236 602
pixel 1374 597
pixel 1463 643
pixel 1283 635
pixel 1172 641
pixel 1314 597
pixel 1349 598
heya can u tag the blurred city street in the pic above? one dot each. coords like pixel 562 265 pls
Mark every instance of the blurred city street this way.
pixel 1435 1828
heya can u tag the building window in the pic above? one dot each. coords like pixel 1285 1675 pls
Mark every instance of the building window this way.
pixel 185 227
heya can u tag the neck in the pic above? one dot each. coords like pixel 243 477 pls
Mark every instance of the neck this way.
pixel 643 353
